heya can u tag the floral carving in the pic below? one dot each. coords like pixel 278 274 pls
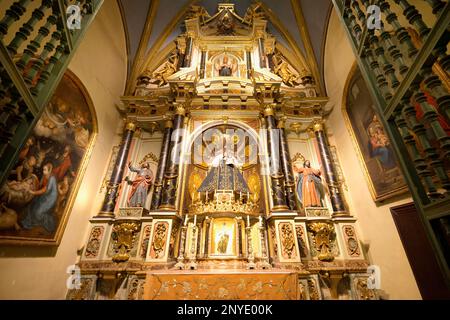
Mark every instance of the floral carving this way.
pixel 159 240
pixel 93 245
pixel 351 240
pixel 145 240
pixel 287 240
pixel 364 293
pixel 313 293
pixel 301 241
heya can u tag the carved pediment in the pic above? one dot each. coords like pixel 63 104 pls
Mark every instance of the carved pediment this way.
pixel 226 22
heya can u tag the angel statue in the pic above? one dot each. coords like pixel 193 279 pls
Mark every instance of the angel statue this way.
pixel 140 185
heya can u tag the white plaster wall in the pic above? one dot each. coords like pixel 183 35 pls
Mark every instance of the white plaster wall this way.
pixel 100 63
pixel 375 223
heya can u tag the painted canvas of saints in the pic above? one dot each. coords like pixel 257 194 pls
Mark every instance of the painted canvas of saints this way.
pixel 36 198
pixel 374 149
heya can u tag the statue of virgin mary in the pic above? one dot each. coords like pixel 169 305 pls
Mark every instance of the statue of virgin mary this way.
pixel 224 175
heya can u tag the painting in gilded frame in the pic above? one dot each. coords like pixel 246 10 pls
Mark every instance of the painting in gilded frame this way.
pixel 372 144
pixel 37 197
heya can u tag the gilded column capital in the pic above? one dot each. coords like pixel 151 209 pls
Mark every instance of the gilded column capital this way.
pixel 130 126
pixel 180 109
pixel 269 110
pixel 318 126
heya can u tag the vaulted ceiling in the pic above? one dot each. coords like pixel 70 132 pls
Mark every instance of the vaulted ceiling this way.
pixel 151 25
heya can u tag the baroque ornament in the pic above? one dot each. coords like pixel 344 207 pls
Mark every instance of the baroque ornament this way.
pixel 93 245
pixel 323 235
pixel 364 293
pixel 125 236
pixel 159 239
pixel 352 242
pixel 287 240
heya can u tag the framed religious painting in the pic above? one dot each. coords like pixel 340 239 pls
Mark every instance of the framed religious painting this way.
pixel 371 142
pixel 37 197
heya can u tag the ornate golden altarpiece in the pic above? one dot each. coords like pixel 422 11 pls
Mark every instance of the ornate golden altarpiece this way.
pixel 226 72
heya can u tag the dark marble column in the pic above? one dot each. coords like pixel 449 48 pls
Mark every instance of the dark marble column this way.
pixel 249 64
pixel 287 166
pixel 276 174
pixel 337 199
pixel 156 198
pixel 173 162
pixel 112 190
pixel 203 64
pixel 262 53
pixel 188 53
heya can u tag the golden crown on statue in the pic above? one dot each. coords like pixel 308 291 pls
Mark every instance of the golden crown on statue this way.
pixel 222 201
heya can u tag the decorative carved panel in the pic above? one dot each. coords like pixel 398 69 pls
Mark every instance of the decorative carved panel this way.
pixel 93 245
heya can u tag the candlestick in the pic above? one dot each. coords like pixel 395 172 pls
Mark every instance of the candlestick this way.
pixel 186 220
pixel 195 220
pixel 248 221
pixel 260 220
pixel 248 196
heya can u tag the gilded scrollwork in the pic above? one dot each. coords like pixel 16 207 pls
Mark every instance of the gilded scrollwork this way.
pixel 159 240
pixel 312 288
pixel 301 239
pixel 364 293
pixel 287 240
pixel 124 237
pixel 85 290
pixel 145 240
pixel 273 237
pixel 351 241
pixel 173 237
pixel 94 242
pixel 323 237
pixel 135 289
